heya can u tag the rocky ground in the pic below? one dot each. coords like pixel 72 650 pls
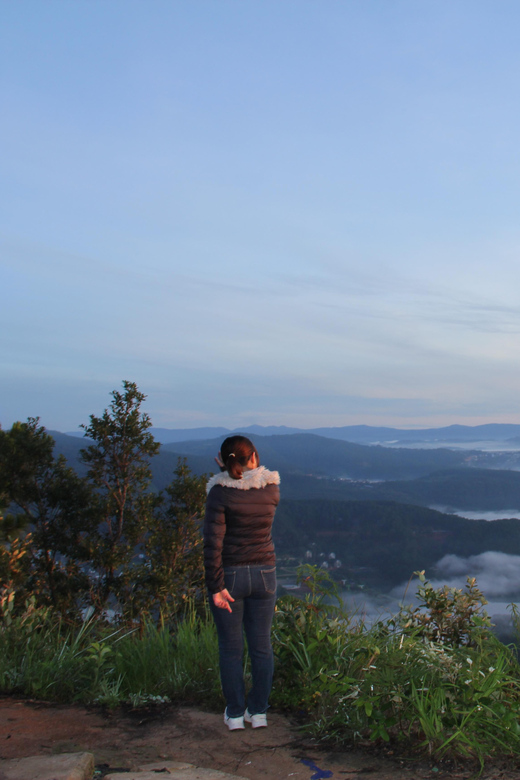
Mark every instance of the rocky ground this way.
pixel 123 738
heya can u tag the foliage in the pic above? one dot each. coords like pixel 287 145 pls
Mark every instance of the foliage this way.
pixel 174 574
pixel 25 456
pixel 307 633
pixel 447 615
pixel 322 589
pixel 43 657
pixel 387 682
pixel 47 496
pixel 119 471
pixel 14 568
pixel 179 663
pixel 104 541
pixel 432 680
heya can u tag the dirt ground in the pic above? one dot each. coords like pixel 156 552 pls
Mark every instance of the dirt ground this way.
pixel 120 740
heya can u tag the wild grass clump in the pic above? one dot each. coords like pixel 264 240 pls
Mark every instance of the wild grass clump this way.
pixel 434 677
pixel 39 657
pixel 179 664
pixel 42 657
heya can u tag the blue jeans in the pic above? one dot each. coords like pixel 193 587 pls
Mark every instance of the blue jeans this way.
pixel 254 591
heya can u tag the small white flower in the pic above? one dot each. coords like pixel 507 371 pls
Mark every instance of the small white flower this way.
pixel 469 660
pixel 491 669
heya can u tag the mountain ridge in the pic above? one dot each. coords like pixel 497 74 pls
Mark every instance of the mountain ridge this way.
pixel 361 434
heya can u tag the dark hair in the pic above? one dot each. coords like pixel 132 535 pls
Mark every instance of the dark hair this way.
pixel 235 452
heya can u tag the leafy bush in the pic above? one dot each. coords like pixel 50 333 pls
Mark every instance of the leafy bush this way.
pixel 447 615
pixel 434 676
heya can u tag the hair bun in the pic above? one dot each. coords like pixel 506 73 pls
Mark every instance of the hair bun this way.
pixel 236 452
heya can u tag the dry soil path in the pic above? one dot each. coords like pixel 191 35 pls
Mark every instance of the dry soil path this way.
pixel 120 740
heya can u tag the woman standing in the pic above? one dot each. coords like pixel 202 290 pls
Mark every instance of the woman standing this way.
pixel 239 560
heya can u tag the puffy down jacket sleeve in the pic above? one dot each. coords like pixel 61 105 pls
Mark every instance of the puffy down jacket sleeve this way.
pixel 214 533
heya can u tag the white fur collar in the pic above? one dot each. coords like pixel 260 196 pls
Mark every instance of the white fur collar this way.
pixel 256 478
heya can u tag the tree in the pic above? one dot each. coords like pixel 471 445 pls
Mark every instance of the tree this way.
pixel 173 574
pixel 118 464
pixel 43 530
pixel 104 540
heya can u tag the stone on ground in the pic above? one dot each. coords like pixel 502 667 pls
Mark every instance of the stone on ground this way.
pixel 80 766
pixel 66 766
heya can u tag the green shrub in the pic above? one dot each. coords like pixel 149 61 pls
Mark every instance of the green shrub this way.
pixel 434 676
pixel 451 616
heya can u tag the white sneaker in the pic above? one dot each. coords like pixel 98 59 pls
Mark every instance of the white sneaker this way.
pixel 234 723
pixel 257 721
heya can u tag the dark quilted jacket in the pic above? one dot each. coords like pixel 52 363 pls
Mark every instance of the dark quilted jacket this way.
pixel 237 525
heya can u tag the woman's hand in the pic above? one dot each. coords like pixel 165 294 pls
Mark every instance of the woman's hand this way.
pixel 222 599
pixel 220 462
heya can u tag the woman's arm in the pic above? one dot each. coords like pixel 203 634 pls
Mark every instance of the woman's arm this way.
pixel 214 533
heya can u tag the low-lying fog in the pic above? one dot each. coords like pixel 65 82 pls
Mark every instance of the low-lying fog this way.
pixel 497 575
pixel 495 514
pixel 484 446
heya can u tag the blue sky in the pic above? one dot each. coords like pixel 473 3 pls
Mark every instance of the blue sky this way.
pixel 300 213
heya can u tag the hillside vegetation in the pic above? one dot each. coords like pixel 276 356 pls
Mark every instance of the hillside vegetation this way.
pixel 381 543
pixel 471 489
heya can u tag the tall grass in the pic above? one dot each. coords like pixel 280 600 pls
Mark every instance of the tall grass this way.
pixel 179 664
pixel 42 657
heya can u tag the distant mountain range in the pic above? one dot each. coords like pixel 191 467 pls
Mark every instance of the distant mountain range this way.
pixel 370 505
pixel 301 453
pixel 315 467
pixel 310 454
pixel 360 434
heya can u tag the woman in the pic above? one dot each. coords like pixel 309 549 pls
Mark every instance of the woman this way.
pixel 239 560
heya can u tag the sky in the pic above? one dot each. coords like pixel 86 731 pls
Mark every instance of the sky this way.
pixel 296 213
